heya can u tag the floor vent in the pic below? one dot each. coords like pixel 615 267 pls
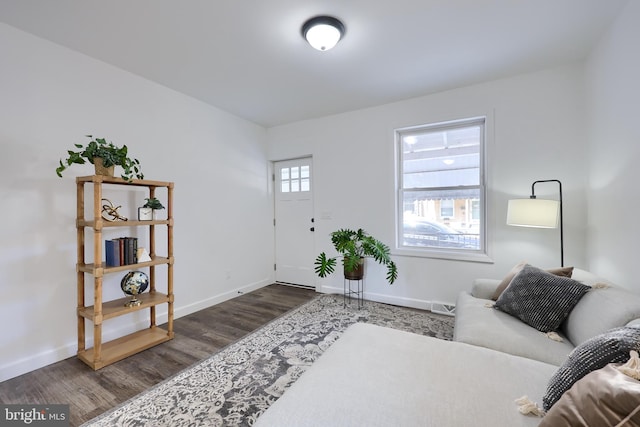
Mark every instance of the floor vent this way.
pixel 442 308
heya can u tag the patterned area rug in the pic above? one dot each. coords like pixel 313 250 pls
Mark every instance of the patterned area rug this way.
pixel 234 386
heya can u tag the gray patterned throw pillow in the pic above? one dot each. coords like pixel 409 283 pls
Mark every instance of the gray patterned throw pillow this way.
pixel 595 353
pixel 540 299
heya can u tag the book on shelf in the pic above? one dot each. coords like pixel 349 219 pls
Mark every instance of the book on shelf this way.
pixel 112 253
pixel 121 251
pixel 132 245
pixel 122 254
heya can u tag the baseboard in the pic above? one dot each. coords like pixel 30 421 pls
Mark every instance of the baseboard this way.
pixel 31 363
pixel 44 358
pixel 295 285
pixel 390 299
pixel 217 299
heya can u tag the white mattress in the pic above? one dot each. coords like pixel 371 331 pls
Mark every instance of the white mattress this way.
pixel 375 376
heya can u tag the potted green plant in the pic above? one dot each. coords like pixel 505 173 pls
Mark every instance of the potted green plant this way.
pixel 148 210
pixel 104 156
pixel 354 247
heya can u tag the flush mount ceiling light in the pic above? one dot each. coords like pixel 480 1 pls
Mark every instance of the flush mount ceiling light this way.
pixel 323 32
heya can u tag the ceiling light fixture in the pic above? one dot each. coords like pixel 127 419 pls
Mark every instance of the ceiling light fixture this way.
pixel 323 32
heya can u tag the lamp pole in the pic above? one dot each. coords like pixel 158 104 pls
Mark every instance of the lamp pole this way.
pixel 533 196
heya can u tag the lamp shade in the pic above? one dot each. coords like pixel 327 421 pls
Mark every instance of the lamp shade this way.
pixel 539 213
pixel 323 32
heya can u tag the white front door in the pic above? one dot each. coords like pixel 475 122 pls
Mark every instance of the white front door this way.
pixel 294 222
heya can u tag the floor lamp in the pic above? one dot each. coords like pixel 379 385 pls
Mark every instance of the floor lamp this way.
pixel 538 213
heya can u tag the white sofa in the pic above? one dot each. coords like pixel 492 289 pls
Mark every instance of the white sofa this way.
pixel 601 309
pixel 374 376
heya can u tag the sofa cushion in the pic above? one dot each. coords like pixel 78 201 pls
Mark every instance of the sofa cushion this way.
pixel 600 310
pixel 484 288
pixel 560 271
pixel 479 325
pixel 603 397
pixel 611 347
pixel 540 299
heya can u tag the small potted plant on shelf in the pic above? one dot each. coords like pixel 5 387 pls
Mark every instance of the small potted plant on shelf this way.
pixel 354 247
pixel 105 156
pixel 148 210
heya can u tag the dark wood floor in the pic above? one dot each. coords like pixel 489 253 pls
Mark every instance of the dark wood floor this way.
pixel 90 393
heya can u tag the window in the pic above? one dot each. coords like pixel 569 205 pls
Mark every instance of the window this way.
pixel 475 210
pixel 446 208
pixel 294 179
pixel 440 174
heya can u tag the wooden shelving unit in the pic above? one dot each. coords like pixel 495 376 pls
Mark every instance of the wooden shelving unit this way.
pixel 103 354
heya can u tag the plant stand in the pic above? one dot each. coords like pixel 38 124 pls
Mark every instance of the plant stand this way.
pixel 353 288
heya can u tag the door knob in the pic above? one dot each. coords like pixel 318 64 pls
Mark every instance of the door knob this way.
pixel 312 229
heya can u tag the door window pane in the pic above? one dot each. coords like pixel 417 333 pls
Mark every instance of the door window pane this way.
pixel 295 179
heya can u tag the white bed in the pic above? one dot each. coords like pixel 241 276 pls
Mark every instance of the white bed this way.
pixel 375 376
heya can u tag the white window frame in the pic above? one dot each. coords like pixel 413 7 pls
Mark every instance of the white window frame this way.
pixel 481 255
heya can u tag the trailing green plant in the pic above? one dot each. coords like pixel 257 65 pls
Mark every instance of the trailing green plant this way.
pixel 110 154
pixel 153 203
pixel 354 245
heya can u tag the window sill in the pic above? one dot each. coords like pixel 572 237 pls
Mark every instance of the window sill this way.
pixel 444 254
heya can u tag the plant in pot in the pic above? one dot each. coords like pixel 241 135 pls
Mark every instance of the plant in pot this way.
pixel 105 156
pixel 148 210
pixel 354 247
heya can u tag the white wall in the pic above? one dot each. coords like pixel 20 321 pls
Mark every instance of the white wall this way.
pixel 535 132
pixel 613 97
pixel 51 97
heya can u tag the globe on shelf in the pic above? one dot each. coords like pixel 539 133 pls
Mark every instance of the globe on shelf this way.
pixel 134 283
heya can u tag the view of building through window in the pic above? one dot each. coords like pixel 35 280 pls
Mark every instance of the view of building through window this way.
pixel 440 186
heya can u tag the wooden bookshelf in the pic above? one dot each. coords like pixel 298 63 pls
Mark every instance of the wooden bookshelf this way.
pixel 103 354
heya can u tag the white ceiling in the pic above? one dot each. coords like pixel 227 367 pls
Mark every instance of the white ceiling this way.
pixel 249 58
